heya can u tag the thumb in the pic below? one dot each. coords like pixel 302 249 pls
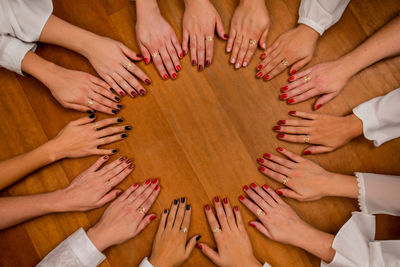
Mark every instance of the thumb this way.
pixel 324 99
pixel 191 244
pixel 263 39
pixel 299 64
pixel 110 196
pixel 129 53
pixel 316 150
pixel 289 193
pixel 210 253
pixel 260 227
pixel 220 29
pixel 145 53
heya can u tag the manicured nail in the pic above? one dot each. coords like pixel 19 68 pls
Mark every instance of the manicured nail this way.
pixel 184 53
pixel 129 161
pixel 261 168
pixel 201 67
pixel 279 192
pixel 260 160
pixel 263 56
pixel 290 101
pixel 157 187
pixel 293 72
pixel 207 207
pixel 131 166
pixel 165 211
pixel 281 122
pixel 89 111
pixel 136 184
pixel 105 157
pixel 259 67
pixel 245 188
pixel 128 128
pixel 178 67
pixel 133 94
pixel 123 135
pixel 233 60
pixel 226 36
pixel 147 81
pixel 252 224
pixel 152 217
pixel 253 185
pixel 194 62
pixel 208 63
pixel 180 55
pixel 236 208
pixel 146 60
pixel 259 74
pixel 318 106
pixel 291 78
pixel 307 152
pixel 121 93
pixel 155 181
pixel 198 237
pixel 175 201
pixel 142 92
pixel 187 207
pixel 199 246
pixel 280 149
pixel 267 155
pixel 228 49
pixel 120 120
pixel 244 63
pixel 216 199
pixel 182 199
pixel 283 96
pixel 114 151
pixel 114 111
pixel 122 159
pixel 165 76
pixel 237 65
pixel 266 77
pixel 292 112
pixel 117 98
pixel 112 90
pixel 277 128
pixel 147 181
pixel 119 106
pixel 265 186
pixel 225 201
pixel 173 76
pixel 241 197
pixel 264 45
pixel 284 89
pixel 281 135
pixel 91 116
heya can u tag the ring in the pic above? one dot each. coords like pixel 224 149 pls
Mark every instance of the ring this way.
pixel 253 42
pixel 184 230
pixel 128 65
pixel 216 230
pixel 284 62
pixel 110 183
pixel 155 54
pixel 95 126
pixel 90 102
pixel 142 210
pixel 259 212
pixel 285 181
pixel 209 38
pixel 307 78
pixel 306 139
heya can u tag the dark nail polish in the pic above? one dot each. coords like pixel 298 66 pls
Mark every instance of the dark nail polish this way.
pixel 117 98
pixel 208 63
pixel 121 93
pixel 201 67
pixel 92 116
pixel 123 135
pixel 225 201
pixel 114 111
pixel 89 111
pixel 129 161
pixel 187 207
pixel 182 200
pixel 114 151
pixel 142 92
pixel 128 128
pixel 165 211
pixel 112 90
pixel 122 159
pixel 139 56
pixel 119 106
pixel 120 120
pixel 226 36
pixel 131 166
pixel 147 81
pixel 184 53
pixel 207 207
pixel 194 62
pixel 198 237
pixel 175 201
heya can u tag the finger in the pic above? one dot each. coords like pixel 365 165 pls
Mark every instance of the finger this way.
pixel 212 221
pixel 168 62
pixel 114 85
pixel 289 193
pixel 290 155
pixel 103 100
pixel 270 49
pixel 113 130
pixel 284 162
pixel 272 174
pixel 297 91
pixel 129 53
pixel 239 47
pixel 111 166
pixel 185 41
pixel 172 214
pixel 270 54
pixel 144 222
pixel 273 195
pixel 302 97
pixel 148 196
pixel 239 219
pixel 317 150
pixel 114 172
pixel 106 122
pixel 292 130
pixel 260 227
pixel 236 47
pixel 174 57
pixel 275 61
pixel 251 206
pixel 123 174
pixel 221 214
pixel 135 194
pixel 186 218
pixel 304 115
pixel 299 64
pixel 276 70
pixel 179 214
pixel 190 245
pixel 82 121
pixel 128 191
pixel 159 65
pixel 163 221
pixel 200 51
pixel 229 214
pixel 299 123
pixel 276 167
pixel 99 82
pixel 193 49
pixel 78 107
pixel 109 197
pixel 209 50
pixel 177 46
pixel 263 39
pixel 259 201
pixel 135 87
pixel 151 198
pixel 220 29
pixel 103 108
pixel 105 91
pixel 98 151
pixel 231 39
pixel 250 52
pixel 262 192
pixel 324 99
pixel 145 53
pixel 210 253
pixel 135 70
pixel 123 78
pixel 299 77
pixel 111 139
pixel 99 162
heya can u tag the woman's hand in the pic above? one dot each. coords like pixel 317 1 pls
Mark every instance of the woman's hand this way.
pixel 94 187
pixel 112 60
pixel 169 246
pixel 304 179
pixel 157 39
pixel 82 137
pixel 293 48
pixel 325 79
pixel 200 21
pixel 326 132
pixel 250 24
pixel 233 243
pixel 126 217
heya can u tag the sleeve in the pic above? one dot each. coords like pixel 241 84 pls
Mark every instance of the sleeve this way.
pixel 145 263
pixel 380 117
pixel 321 14
pixel 75 251
pixel 378 193
pixel 12 52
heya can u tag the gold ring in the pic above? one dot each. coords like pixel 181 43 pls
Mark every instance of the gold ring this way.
pixel 142 210
pixel 184 230
pixel 307 78
pixel 259 212
pixel 95 126
pixel 253 42
pixel 285 181
pixel 90 102
pixel 306 139
pixel 284 62
pixel 216 230
pixel 110 183
pixel 209 38
pixel 155 54
pixel 128 65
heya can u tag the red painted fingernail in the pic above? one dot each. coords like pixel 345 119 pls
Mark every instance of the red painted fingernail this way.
pixel 147 181
pixel 122 93
pixel 147 81
pixel 265 186
pixel 281 122
pixel 207 207
pixel 263 56
pixel 253 185
pixel 241 197
pixel 283 96
pixel 266 77
pixel 165 76
pixel 201 67
pixel 131 166
pixel 105 157
pixel 293 72
pixel 199 246
pixel 133 94
pixel 277 128
pixel 236 208
pixel 128 161
pixel 135 185
pixel 281 135
pixel 259 67
pixel 260 160
pixel 174 76
pixel 292 112
pixel 146 60
pixel 259 75
pixel 152 217
pixel 208 63
pixel 155 181
pixel 180 55
pixel 184 52
pixel 283 89
pixel 252 224
pixel 225 201
pixel 226 36
pixel 261 168
pixel 267 155
pixel 142 92
pixel 157 187
pixel 290 101
pixel 245 187
pixel 280 149
pixel 318 106
pixel 279 192
pixel 178 67
pixel 194 62
pixel 307 152
pixel 216 199
pixel 291 78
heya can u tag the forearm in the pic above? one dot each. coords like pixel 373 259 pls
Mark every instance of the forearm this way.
pixel 144 7
pixel 384 43
pixel 17 167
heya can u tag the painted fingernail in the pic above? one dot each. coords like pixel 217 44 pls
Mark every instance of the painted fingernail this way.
pixel 259 75
pixel 244 63
pixel 207 207
pixel 173 76
pixel 165 211
pixel 152 217
pixel 133 94
pixel 263 56
pixel 105 157
pixel 142 92
pixel 261 168
pixel 225 201
pixel 266 77
pixel 279 192
pixel 307 152
pixel 292 112
pixel 112 90
pixel 259 67
pixel 146 60
pixel 117 98
pixel 260 160
pixel 284 89
pixel 281 122
pixel 253 185
pixel 198 237
pixel 233 60
pixel 267 155
pixel 129 161
pixel 208 63
pixel 178 67
pixel 147 181
pixel 89 111
pixel 122 159
pixel 184 52
pixel 290 101
pixel 136 184
pixel 119 106
pixel 318 106
pixel 291 78
pixel 236 208
pixel 180 55
pixel 201 67
pixel 147 81
pixel 283 96
pixel 226 36
pixel 199 246
pixel 128 128
pixel 237 65
pixel 241 197
pixel 131 166
pixel 228 49
pixel 155 181
pixel 121 93
pixel 182 199
pixel 91 116
pixel 265 186
pixel 280 149
pixel 114 151
pixel 216 199
pixel 281 135
pixel 157 187
pixel 114 111
pixel 277 128
pixel 194 62
pixel 187 207
pixel 120 120
pixel 176 202
pixel 165 76
pixel 252 224
pixel 123 135
pixel 245 188
pixel 293 72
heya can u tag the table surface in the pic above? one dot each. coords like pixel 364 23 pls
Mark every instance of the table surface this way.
pixel 201 134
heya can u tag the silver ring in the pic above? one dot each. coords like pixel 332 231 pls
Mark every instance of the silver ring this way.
pixel 259 212
pixel 216 230
pixel 184 230
pixel 285 181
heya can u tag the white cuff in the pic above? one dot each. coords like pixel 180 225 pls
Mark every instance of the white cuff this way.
pixel 13 52
pixel 145 263
pixel 312 24
pixel 361 192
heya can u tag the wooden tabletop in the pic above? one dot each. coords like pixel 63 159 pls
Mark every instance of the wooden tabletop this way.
pixel 201 134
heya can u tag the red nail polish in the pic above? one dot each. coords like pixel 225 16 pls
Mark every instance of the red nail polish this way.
pixel 253 185
pixel 279 192
pixel 147 81
pixel 199 246
pixel 142 92
pixel 201 67
pixel 152 217
pixel 146 60
pixel 259 67
pixel 147 181
pixel 277 128
pixel 291 78
pixel 267 155
pixel 135 185
pixel 307 152
pixel 281 135
pixel 155 181
pixel 266 77
pixel 174 76
pixel 133 94
pixel 157 187
pixel 280 149
pixel 105 157
pixel 178 67
pixel 208 63
pixel 184 52
pixel 236 208
pixel 261 168
pixel 165 76
pixel 283 96
pixel 226 36
pixel 245 187
pixel 290 101
pixel 122 93
pixel 265 186
pixel 128 161
pixel 131 166
pixel 260 160
pixel 225 201
pixel 252 224
pixel 318 106
pixel 259 75
pixel 284 89
pixel 281 122
pixel 216 199
pixel 263 56
pixel 207 207
pixel 180 55
pixel 292 112
pixel 241 197
pixel 194 62
pixel 293 72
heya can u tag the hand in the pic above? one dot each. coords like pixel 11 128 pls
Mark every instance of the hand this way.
pixel 325 79
pixel 157 39
pixel 250 24
pixel 200 21
pixel 169 246
pixel 112 60
pixel 293 48
pixel 279 222
pixel 233 243
pixel 82 137
pixel 326 132
pixel 126 217
pixel 81 91
pixel 304 179
pixel 93 187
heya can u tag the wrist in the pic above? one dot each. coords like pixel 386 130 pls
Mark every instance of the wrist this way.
pixel 251 3
pixel 146 7
pixel 96 235
pixel 53 151
pixel 310 32
pixel 341 185
pixel 354 126
pixel 189 2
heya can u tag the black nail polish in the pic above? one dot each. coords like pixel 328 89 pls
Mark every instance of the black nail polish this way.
pixel 198 237
pixel 120 120
pixel 119 106
pixel 114 111
pixel 89 111
pixel 112 90
pixel 92 116
pixel 117 98
pixel 114 151
pixel 165 211
pixel 182 199
pixel 187 207
pixel 175 201
pixel 128 128
pixel 123 135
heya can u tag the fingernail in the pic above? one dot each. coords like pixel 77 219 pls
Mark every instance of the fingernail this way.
pixel 216 199
pixel 199 246
pixel 281 122
pixel 283 96
pixel 114 151
pixel 105 157
pixel 263 56
pixel 89 111
pixel 92 116
pixel 128 161
pixel 318 106
pixel 280 149
pixel 259 67
pixel 165 76
pixel 165 211
pixel 201 67
pixel 180 55
pixel 146 60
pixel 261 168
pixel 175 201
pixel 136 184
pixel 259 74
pixel 155 181
pixel 112 90
pixel 241 197
pixel 292 112
pixel 207 207
pixel 152 217
pixel 290 101
pixel 182 199
pixel 279 192
pixel 293 72
pixel 236 208
pixel 147 81
pixel 122 159
pixel 277 128
pixel 173 76
pixel 253 185
pixel 245 188
pixel 307 152
pixel 267 155
pixel 142 92
pixel 265 186
pixel 233 60
pixel 187 207
pixel 147 181
pixel 178 67
pixel 237 65
pixel 157 187
pixel 184 52
pixel 260 160
pixel 225 201
pixel 117 98
pixel 114 111
pixel 128 128
pixel 281 135
pixel 131 166
pixel 244 63
pixel 263 45
pixel 119 106
pixel 226 36
pixel 252 224
pixel 194 62
pixel 283 89
pixel 291 78
pixel 133 94
pixel 228 49
pixel 266 77
pixel 208 63
pixel 121 93
pixel 120 120
pixel 123 135
pixel 198 237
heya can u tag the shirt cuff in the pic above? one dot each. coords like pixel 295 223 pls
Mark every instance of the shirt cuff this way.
pixel 145 263
pixel 370 123
pixel 312 24
pixel 266 264
pixel 361 192
pixel 14 51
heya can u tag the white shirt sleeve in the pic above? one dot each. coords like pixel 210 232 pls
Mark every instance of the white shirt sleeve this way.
pixel 21 23
pixel 75 251
pixel 146 263
pixel 321 14
pixel 380 117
